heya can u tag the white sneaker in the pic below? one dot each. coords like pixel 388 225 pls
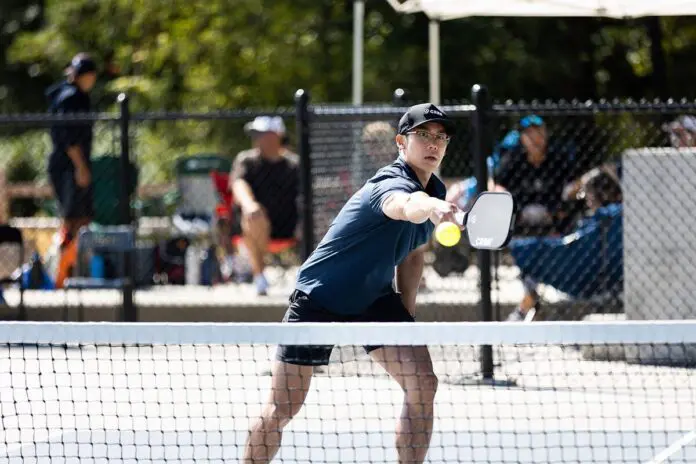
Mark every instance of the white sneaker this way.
pixel 227 267
pixel 261 285
pixel 529 317
pixel 519 316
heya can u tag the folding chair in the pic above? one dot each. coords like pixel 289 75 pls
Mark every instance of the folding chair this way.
pixel 114 240
pixel 195 218
pixel 13 236
pixel 195 211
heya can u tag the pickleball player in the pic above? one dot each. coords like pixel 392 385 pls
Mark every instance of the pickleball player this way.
pixel 372 243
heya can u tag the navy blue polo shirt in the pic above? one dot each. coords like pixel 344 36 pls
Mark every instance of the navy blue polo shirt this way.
pixel 355 262
pixel 68 98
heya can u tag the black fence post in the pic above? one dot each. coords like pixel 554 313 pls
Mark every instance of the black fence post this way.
pixel 130 313
pixel 481 150
pixel 304 150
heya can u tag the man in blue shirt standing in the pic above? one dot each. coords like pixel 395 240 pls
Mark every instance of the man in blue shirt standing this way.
pixel 349 278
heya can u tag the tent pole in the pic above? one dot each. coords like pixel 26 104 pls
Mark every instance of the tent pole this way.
pixel 434 54
pixel 358 22
pixel 357 158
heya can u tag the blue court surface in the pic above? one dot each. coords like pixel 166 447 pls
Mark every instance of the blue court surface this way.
pixel 193 404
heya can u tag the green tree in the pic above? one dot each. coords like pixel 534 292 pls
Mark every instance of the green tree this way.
pixel 21 83
pixel 196 55
pixel 217 54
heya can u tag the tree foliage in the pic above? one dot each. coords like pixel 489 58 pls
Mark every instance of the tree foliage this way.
pixel 201 55
pixel 195 54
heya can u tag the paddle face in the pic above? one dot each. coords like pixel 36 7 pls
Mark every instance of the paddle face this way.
pixel 489 222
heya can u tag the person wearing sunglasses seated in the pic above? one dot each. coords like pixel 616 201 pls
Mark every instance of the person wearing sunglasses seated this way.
pixel 535 171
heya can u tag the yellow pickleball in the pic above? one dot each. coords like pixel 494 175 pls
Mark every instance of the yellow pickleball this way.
pixel 447 234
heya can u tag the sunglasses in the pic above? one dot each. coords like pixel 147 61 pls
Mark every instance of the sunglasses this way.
pixel 438 139
pixel 531 120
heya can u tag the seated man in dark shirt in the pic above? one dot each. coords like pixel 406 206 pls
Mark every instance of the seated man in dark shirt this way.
pixel 265 184
pixel 535 172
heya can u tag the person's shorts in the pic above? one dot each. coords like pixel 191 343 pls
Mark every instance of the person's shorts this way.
pixel 73 201
pixel 283 226
pixel 282 229
pixel 388 308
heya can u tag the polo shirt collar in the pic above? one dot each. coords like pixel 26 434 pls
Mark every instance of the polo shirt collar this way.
pixel 411 174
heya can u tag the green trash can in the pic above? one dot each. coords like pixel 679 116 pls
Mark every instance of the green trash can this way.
pixel 107 179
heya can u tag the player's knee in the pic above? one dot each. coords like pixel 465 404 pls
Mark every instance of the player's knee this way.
pixel 281 413
pixel 426 388
pixel 256 224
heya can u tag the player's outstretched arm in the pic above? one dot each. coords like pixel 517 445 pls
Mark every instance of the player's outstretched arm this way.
pixel 417 207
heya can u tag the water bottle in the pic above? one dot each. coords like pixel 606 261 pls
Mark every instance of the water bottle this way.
pixel 209 268
pixel 193 265
pixel 96 266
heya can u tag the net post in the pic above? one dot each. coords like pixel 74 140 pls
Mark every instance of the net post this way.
pixel 304 150
pixel 129 310
pixel 481 149
pixel 399 97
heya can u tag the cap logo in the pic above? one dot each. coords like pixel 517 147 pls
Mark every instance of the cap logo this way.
pixel 433 111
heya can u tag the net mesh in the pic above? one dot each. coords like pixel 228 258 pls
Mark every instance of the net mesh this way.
pixel 584 259
pixel 620 392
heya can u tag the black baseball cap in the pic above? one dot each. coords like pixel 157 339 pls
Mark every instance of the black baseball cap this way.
pixel 82 63
pixel 418 115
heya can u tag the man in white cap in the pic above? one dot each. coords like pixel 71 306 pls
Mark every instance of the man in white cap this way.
pixel 265 184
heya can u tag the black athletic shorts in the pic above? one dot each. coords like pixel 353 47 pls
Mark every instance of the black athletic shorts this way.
pixel 388 308
pixel 73 201
pixel 282 225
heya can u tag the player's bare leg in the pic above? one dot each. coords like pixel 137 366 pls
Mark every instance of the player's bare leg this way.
pixel 412 367
pixel 288 392
pixel 256 231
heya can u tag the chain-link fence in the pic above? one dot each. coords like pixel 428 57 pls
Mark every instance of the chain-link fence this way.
pixel 188 213
pixel 602 198
pixel 178 194
pixel 29 209
pixel 602 221
pixel 347 147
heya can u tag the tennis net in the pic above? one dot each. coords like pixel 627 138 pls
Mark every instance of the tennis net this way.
pixel 576 392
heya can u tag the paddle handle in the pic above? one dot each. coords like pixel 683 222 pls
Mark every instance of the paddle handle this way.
pixel 460 217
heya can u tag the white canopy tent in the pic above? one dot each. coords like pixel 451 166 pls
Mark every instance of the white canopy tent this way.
pixel 443 10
